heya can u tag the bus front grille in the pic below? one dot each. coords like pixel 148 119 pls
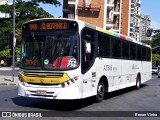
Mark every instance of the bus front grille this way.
pixel 43 74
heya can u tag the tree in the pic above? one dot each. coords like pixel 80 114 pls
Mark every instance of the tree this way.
pixel 25 11
pixel 156 41
pixel 155 44
pixel 148 42
pixel 52 2
pixel 155 60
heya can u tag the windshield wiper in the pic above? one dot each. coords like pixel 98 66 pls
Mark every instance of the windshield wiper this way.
pixel 34 39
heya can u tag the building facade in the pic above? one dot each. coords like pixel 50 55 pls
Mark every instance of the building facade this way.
pixel 121 16
pixel 145 22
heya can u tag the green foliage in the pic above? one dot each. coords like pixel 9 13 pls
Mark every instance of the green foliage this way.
pixel 52 2
pixel 156 42
pixel 155 59
pixel 29 10
pixel 5 53
pixel 148 42
pixel 18 50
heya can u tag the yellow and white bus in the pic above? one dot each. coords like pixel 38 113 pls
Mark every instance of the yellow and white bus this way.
pixel 71 59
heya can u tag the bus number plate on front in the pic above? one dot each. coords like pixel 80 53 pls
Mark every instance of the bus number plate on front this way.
pixel 41 92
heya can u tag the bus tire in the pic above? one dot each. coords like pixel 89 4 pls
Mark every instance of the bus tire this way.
pixel 138 82
pixel 100 92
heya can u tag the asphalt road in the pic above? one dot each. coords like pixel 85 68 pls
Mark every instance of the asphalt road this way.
pixel 147 98
pixel 8 72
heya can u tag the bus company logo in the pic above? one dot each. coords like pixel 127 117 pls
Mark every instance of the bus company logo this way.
pixel 41 81
pixel 108 67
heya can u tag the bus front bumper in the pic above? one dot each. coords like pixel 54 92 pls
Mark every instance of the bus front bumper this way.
pixel 50 92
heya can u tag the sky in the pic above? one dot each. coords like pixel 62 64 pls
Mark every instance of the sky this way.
pixel 55 11
pixel 148 7
pixel 152 8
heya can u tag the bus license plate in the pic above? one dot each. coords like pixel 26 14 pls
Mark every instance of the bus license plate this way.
pixel 41 92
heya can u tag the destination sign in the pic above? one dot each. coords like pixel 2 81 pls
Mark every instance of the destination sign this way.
pixel 49 25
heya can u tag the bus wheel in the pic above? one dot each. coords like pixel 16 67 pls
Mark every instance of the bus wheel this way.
pixel 100 92
pixel 138 82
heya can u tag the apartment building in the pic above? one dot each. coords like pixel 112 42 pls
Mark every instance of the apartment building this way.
pixel 145 22
pixel 134 19
pixel 121 16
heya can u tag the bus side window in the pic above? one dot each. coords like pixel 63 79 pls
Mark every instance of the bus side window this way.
pixel 125 50
pixel 116 48
pixel 103 45
pixel 132 51
pixel 148 54
pixel 139 52
pixel 144 53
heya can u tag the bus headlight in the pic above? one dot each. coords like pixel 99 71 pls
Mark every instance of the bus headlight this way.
pixel 63 85
pixel 69 82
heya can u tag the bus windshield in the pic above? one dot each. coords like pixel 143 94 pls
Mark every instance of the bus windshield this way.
pixel 50 52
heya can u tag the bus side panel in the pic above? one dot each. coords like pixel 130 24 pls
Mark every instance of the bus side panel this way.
pixel 90 82
pixel 143 76
pixel 116 73
pixel 104 68
pixel 147 73
pixel 134 69
pixel 125 73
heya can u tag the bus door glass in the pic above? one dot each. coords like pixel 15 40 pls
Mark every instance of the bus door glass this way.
pixel 87 59
pixel 88 49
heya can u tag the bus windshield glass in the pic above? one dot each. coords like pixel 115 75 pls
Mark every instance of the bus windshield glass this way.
pixel 50 52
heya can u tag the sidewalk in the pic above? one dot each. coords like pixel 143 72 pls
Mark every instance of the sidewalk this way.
pixel 7 79
pixel 8 68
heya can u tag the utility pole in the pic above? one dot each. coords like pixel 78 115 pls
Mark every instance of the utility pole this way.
pixel 13 57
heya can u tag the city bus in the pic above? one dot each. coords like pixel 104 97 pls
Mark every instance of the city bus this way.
pixel 71 59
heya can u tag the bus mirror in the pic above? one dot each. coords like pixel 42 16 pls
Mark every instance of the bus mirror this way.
pixel 88 47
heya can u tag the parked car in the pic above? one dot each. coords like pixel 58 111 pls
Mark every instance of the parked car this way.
pixel 155 70
pixel 159 74
pixel 159 71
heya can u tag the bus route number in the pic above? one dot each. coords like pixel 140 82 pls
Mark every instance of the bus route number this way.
pixel 33 26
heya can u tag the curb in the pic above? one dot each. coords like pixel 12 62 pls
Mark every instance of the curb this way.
pixel 9 68
pixel 6 84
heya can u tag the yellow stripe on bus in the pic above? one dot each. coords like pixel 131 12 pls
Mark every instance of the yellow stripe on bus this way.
pixel 43 80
